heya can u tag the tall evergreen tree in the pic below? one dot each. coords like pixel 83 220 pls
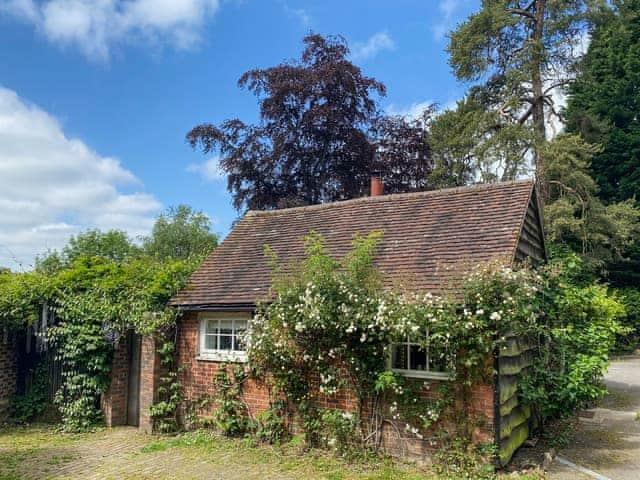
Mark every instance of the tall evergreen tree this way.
pixel 517 52
pixel 604 101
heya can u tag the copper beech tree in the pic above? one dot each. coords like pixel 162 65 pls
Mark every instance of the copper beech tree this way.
pixel 319 137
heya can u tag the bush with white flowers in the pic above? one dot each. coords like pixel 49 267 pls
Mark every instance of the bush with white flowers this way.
pixel 329 325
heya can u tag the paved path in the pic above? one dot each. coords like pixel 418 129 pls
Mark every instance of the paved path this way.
pixel 608 438
pixel 118 454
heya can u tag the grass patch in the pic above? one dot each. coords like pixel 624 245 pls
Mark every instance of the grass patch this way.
pixel 289 458
pixel 47 453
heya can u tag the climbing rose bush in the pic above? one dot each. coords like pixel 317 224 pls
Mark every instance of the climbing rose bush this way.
pixel 329 326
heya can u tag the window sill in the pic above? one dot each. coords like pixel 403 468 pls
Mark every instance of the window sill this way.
pixel 423 375
pixel 233 357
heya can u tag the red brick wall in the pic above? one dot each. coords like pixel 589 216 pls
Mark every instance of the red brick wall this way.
pixel 114 401
pixel 8 373
pixel 150 372
pixel 197 377
pixel 197 381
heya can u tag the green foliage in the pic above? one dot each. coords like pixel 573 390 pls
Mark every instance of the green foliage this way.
pixel 332 322
pixel 181 233
pixel 471 142
pixel 517 52
pixel 318 328
pixel 403 399
pixel 94 300
pixel 100 287
pixel 462 460
pixel 629 341
pixel 604 101
pixel 339 432
pixel 580 329
pixel 86 355
pixel 575 216
pixel 165 411
pixel 20 296
pixel 113 245
pixel 32 404
pixel 231 416
pixel 270 424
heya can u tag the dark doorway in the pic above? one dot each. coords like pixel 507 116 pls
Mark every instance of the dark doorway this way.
pixel 133 389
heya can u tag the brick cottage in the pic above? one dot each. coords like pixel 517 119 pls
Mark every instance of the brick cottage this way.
pixel 427 236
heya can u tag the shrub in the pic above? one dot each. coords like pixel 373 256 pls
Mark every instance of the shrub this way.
pixel 574 340
pixel 230 415
pixel 340 431
pixel 33 403
pixel 629 340
pixel 270 425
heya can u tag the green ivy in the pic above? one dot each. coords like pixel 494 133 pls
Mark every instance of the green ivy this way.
pixel 231 415
pixel 270 424
pixel 96 301
pixel 165 411
pixel 33 403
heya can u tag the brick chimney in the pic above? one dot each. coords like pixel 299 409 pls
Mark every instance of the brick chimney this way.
pixel 377 185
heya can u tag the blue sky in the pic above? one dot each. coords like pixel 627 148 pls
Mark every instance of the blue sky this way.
pixel 96 97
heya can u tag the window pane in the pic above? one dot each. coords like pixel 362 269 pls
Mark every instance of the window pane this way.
pixel 418 358
pixel 399 356
pixel 437 365
pixel 211 326
pixel 238 344
pixel 240 326
pixel 210 342
pixel 226 327
pixel 225 342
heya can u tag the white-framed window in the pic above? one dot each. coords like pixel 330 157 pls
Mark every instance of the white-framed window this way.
pixel 221 338
pixel 411 359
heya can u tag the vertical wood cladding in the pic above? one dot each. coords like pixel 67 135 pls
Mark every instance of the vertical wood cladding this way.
pixel 531 242
pixel 514 418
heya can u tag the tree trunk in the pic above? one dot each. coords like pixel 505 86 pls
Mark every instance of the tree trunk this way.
pixel 537 62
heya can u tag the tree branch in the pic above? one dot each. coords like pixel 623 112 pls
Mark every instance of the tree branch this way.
pixel 522 13
pixel 526 114
pixel 556 85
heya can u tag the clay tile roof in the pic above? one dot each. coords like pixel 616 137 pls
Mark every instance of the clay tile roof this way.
pixel 425 235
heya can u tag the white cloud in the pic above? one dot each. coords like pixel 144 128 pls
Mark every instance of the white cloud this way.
pixel 377 43
pixel 299 14
pixel 209 170
pixel 410 112
pixel 447 10
pixel 52 186
pixel 95 26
